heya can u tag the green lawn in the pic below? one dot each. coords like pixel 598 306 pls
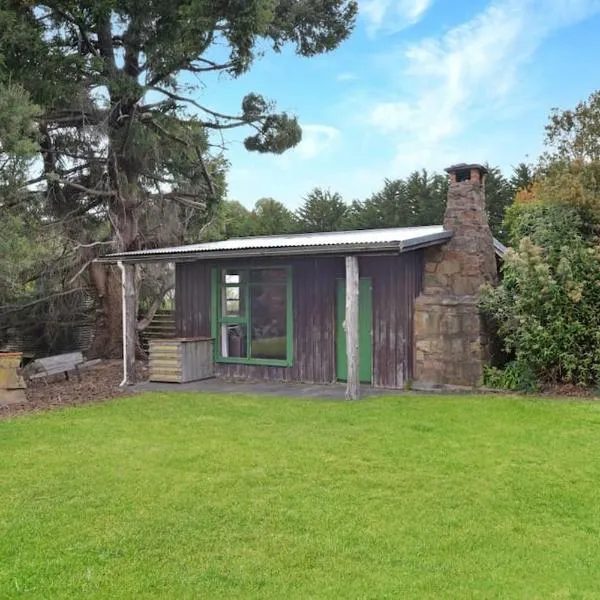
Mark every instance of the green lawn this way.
pixel 206 496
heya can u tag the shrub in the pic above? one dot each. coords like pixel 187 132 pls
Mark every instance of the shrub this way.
pixel 546 307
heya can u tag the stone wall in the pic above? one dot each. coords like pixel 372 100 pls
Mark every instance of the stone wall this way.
pixel 451 343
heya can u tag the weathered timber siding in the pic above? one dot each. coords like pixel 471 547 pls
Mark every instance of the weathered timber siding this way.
pixel 314 289
pixel 192 299
pixel 396 281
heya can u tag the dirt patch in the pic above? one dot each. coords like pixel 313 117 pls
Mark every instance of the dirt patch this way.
pixel 97 383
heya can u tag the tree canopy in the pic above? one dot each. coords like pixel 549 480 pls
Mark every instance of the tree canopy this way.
pixel 126 157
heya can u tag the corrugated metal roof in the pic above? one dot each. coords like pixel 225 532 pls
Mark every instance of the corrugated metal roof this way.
pixel 369 240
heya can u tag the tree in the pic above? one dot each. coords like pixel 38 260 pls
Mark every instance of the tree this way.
pixel 575 134
pixel 418 200
pixel 427 195
pixel 122 141
pixel 322 210
pixel 388 208
pixel 522 178
pixel 499 196
pixel 231 220
pixel 271 217
pixel 546 303
pixel 17 147
pixel 17 138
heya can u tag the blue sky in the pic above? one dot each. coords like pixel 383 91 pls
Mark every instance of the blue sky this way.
pixel 420 84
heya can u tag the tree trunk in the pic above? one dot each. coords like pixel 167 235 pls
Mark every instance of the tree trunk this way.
pixel 108 340
pixel 108 327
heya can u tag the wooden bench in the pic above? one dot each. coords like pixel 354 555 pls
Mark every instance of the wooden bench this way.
pixel 61 363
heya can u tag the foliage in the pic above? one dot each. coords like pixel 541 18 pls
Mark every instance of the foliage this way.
pixel 322 210
pixel 546 304
pixel 17 127
pixel 522 177
pixel 18 254
pixel 270 217
pixel 418 200
pixel 574 135
pixel 233 220
pixel 513 376
pixel 18 142
pixel 123 141
pixel 230 220
pixel 218 496
pixel 499 194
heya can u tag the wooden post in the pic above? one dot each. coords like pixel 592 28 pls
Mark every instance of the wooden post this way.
pixel 129 322
pixel 351 325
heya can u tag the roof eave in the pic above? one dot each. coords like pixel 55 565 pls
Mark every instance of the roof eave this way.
pixel 395 247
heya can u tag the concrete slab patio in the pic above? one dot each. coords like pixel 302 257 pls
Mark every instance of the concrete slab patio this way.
pixel 259 388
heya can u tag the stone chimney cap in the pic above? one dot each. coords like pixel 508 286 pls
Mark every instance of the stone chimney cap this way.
pixel 466 167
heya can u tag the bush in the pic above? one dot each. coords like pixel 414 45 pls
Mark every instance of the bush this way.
pixel 546 307
pixel 514 376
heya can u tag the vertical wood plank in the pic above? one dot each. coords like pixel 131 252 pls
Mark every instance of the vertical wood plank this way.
pixel 129 322
pixel 351 326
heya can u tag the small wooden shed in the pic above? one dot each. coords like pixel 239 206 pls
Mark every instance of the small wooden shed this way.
pixel 318 308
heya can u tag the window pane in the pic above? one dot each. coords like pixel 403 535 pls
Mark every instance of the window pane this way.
pixel 275 275
pixel 268 321
pixel 233 341
pixel 233 276
pixel 232 301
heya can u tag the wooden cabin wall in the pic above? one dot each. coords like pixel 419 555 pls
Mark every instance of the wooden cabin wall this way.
pixel 313 288
pixel 396 280
pixel 192 299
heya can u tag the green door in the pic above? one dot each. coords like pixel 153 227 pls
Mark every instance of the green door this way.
pixel 365 318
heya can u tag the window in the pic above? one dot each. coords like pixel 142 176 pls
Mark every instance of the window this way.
pixel 252 315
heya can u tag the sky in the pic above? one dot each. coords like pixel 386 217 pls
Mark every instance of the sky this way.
pixel 420 84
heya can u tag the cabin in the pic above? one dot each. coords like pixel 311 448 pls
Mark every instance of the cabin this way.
pixel 379 307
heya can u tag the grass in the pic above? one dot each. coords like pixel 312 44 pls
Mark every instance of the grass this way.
pixel 207 496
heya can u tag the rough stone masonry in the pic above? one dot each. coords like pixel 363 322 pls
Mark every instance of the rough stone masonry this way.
pixel 451 344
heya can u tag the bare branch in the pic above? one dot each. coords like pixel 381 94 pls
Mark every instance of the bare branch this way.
pixel 212 66
pixel 75 214
pixel 186 200
pixel 80 271
pixel 16 308
pixel 207 42
pixel 82 32
pixel 82 188
pixel 209 181
pixel 47 176
pixel 73 118
pixel 213 113
pixel 93 244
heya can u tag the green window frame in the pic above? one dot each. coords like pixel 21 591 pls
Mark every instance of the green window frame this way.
pixel 223 295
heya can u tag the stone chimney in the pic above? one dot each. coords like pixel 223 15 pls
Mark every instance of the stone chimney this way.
pixel 451 346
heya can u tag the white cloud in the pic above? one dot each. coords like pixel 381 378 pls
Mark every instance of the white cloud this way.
pixel 316 140
pixel 392 15
pixel 463 77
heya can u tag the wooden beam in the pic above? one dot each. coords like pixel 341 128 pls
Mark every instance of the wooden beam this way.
pixel 351 325
pixel 129 322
